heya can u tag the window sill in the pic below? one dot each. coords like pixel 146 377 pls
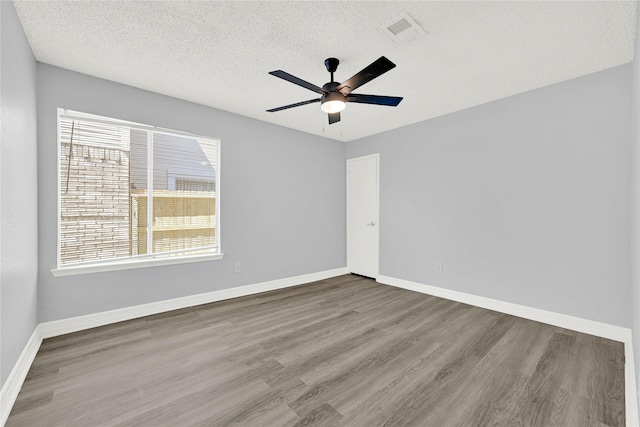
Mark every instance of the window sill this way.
pixel 127 265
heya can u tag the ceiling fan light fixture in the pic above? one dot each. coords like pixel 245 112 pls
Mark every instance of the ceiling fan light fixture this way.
pixel 333 102
pixel 333 106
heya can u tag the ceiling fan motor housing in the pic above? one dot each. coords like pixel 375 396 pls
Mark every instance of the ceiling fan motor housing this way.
pixel 331 86
pixel 333 96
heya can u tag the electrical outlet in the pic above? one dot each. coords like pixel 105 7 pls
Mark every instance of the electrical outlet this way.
pixel 238 268
pixel 439 267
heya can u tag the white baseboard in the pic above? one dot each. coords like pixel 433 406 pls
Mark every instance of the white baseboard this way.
pixel 75 324
pixel 16 378
pixel 604 330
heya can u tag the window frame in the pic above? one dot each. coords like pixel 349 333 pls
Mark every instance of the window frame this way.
pixel 147 260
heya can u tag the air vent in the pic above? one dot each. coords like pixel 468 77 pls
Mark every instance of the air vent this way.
pixel 403 29
pixel 398 27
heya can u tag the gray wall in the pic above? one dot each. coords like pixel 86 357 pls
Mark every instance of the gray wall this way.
pixel 524 200
pixel 18 192
pixel 282 199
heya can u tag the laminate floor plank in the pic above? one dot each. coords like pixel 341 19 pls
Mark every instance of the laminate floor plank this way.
pixel 323 415
pixel 327 360
pixel 480 379
pixel 281 415
pixel 496 403
pixel 422 404
pixel 331 348
pixel 361 366
pixel 536 403
pixel 344 351
pixel 406 385
pixel 358 393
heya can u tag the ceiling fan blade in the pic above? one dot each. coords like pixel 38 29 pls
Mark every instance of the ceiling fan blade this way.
pixel 295 80
pixel 297 104
pixel 370 72
pixel 391 101
pixel 334 118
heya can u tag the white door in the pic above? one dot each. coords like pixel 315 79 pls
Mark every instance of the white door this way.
pixel 362 215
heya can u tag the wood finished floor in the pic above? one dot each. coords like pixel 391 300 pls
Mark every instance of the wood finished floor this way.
pixel 339 352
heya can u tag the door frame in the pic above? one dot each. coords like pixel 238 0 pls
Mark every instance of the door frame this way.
pixel 376 156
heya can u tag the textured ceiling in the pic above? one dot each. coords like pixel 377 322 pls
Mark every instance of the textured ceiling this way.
pixel 219 53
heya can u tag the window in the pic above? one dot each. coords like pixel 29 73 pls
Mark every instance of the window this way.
pixel 132 195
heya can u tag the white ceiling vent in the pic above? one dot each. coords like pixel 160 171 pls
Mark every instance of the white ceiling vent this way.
pixel 404 29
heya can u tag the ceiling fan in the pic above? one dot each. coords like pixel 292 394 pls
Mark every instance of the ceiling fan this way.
pixel 335 95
